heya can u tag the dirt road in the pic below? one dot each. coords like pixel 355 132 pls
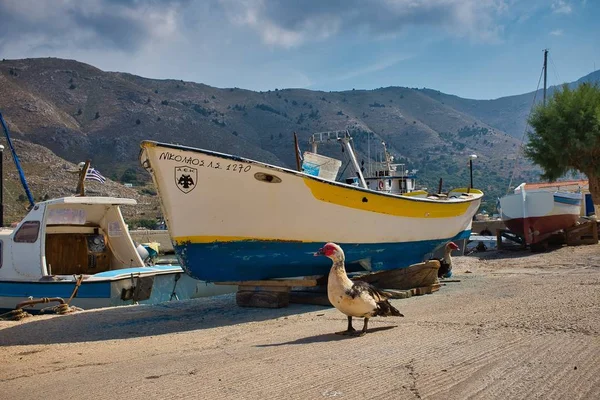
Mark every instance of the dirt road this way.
pixel 519 325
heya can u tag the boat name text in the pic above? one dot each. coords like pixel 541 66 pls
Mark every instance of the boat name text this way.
pixel 234 167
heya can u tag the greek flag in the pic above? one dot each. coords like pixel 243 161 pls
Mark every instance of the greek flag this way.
pixel 299 152
pixel 93 175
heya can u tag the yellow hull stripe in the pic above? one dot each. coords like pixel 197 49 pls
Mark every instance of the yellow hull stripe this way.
pixel 382 204
pixel 211 239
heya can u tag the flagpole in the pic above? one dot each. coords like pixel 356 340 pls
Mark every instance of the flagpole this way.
pixel 80 185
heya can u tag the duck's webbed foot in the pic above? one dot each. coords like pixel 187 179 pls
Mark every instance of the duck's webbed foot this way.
pixel 350 331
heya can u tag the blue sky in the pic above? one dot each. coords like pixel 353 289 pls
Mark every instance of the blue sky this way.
pixel 479 49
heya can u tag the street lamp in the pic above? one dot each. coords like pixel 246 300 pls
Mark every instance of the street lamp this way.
pixel 471 158
pixel 1 187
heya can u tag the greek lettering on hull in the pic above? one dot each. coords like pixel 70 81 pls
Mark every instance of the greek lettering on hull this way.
pixel 186 178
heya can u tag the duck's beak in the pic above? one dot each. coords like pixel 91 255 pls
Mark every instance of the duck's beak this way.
pixel 319 253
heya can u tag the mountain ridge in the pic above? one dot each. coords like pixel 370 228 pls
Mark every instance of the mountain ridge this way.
pixel 78 111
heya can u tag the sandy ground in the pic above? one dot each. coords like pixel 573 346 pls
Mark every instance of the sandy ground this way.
pixel 519 325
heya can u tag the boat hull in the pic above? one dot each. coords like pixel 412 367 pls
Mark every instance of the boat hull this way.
pixel 537 214
pixel 105 289
pixel 235 219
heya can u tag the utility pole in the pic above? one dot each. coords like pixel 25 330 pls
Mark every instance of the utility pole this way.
pixel 1 186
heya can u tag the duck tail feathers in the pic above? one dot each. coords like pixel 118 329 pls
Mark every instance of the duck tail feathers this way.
pixel 385 309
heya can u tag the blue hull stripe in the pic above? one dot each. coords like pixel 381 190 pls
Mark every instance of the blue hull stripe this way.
pixel 567 200
pixel 54 289
pixel 254 260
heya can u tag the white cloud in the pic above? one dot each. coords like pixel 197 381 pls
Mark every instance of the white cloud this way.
pixel 375 67
pixel 557 32
pixel 561 7
pixel 290 24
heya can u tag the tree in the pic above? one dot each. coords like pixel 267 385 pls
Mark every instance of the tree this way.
pixel 566 136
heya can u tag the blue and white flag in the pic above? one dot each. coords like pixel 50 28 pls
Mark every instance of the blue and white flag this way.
pixel 93 175
pixel 299 152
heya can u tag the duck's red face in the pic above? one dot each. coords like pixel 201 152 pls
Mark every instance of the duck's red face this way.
pixel 329 250
pixel 453 246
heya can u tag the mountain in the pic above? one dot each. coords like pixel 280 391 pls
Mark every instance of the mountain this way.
pixel 508 114
pixel 49 176
pixel 78 111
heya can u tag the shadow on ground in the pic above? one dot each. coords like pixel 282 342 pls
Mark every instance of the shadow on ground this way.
pixel 510 253
pixel 327 337
pixel 140 321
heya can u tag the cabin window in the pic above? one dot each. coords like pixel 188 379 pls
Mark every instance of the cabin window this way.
pixel 28 232
pixel 1 253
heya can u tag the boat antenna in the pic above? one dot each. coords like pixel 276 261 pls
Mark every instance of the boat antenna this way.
pixel 516 164
pixel 17 163
pixel 545 72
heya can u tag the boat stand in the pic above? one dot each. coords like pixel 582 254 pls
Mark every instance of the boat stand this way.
pixel 273 293
pixel 585 233
pixel 416 280
pixel 517 240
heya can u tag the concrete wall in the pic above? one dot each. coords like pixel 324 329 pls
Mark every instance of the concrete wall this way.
pixel 162 237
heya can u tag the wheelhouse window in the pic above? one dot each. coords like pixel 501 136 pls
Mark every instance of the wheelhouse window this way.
pixel 28 232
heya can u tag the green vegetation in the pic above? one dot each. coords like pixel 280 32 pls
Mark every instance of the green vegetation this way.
pixel 566 136
pixel 472 131
pixel 142 223
pixel 148 191
pixel 268 108
pixel 129 176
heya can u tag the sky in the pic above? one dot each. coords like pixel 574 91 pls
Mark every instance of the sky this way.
pixel 481 49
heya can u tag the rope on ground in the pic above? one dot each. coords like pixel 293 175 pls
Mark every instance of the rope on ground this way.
pixel 60 309
pixel 14 315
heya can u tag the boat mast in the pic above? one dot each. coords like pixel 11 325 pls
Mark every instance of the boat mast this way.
pixel 346 141
pixel 545 72
pixel 17 163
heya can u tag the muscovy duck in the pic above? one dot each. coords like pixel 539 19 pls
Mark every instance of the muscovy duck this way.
pixel 355 299
pixel 445 270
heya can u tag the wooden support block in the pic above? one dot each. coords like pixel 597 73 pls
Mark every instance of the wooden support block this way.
pixel 273 282
pixel 398 294
pixel 315 298
pixel 425 290
pixel 586 233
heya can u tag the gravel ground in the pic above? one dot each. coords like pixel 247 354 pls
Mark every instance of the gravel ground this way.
pixel 518 325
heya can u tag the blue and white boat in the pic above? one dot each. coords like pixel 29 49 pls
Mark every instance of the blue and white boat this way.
pixel 80 248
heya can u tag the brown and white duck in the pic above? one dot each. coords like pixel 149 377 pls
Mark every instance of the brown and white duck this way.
pixel 445 270
pixel 355 299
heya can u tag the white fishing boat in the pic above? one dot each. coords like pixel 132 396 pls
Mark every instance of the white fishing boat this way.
pixel 235 219
pixel 77 251
pixel 80 248
pixel 536 214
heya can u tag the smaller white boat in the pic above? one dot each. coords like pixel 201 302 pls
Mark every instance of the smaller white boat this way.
pixel 536 214
pixel 79 248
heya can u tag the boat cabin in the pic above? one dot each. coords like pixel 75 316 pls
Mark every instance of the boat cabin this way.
pixel 68 236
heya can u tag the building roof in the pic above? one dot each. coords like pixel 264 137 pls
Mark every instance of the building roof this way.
pixel 562 184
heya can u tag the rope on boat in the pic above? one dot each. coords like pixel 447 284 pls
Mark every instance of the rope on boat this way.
pixel 173 292
pixel 77 284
